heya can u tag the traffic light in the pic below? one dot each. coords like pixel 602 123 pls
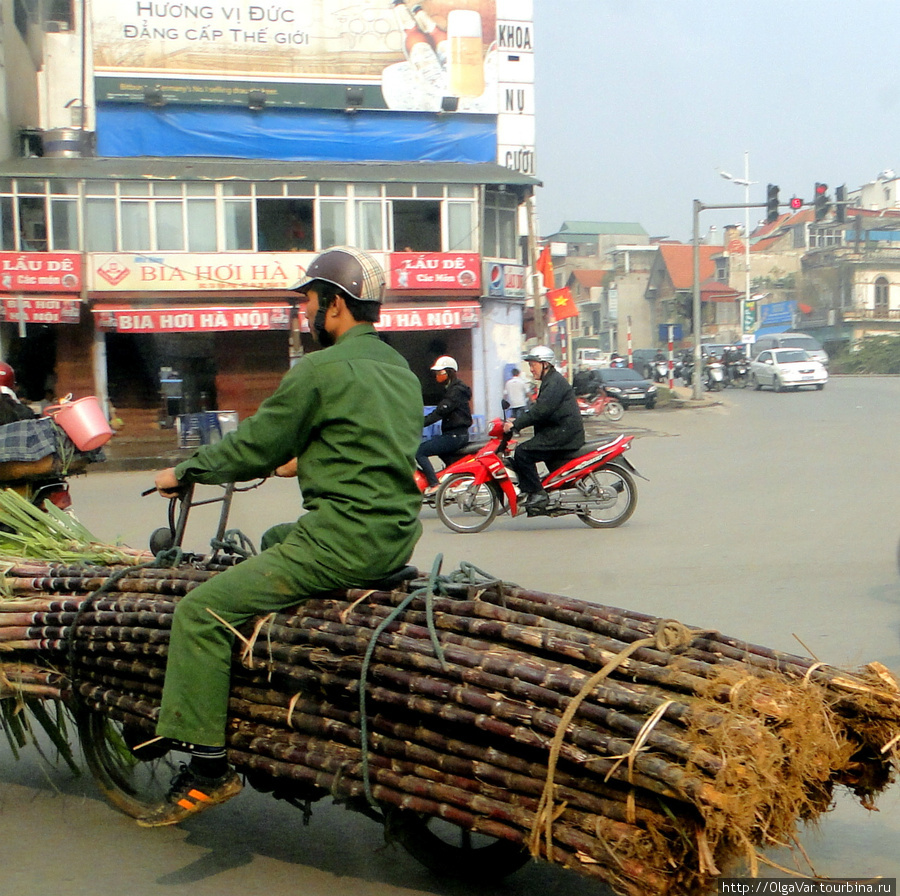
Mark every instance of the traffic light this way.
pixel 821 203
pixel 840 206
pixel 796 203
pixel 771 204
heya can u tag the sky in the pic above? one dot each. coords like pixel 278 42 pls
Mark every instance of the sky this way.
pixel 639 102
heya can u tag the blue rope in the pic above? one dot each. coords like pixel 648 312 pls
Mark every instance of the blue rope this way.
pixel 428 593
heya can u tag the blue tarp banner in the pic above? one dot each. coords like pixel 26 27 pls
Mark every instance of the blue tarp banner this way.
pixel 129 130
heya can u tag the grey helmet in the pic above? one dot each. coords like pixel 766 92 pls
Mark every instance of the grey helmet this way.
pixel 542 353
pixel 352 270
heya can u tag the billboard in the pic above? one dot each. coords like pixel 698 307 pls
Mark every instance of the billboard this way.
pixel 439 55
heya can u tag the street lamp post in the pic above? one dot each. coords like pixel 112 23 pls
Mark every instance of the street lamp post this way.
pixel 745 182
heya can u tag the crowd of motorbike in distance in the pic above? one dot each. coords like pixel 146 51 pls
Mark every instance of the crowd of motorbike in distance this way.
pixel 596 484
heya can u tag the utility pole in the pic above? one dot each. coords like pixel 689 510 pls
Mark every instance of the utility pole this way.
pixel 697 323
pixel 534 279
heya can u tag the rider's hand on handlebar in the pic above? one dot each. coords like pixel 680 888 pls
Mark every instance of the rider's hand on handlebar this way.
pixel 167 483
pixel 507 425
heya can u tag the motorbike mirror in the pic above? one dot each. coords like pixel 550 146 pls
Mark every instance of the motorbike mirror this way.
pixel 504 404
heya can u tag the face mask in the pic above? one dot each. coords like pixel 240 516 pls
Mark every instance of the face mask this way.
pixel 319 333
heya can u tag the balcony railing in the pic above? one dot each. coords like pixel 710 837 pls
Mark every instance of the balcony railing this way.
pixel 870 313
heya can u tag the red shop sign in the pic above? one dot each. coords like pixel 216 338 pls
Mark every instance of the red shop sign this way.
pixel 192 319
pixel 40 272
pixel 398 318
pixel 44 310
pixel 422 271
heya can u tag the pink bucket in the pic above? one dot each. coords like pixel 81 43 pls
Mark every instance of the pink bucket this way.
pixel 83 421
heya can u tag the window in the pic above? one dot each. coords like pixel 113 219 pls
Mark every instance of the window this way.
pixel 33 224
pixel 416 225
pixel 882 294
pixel 369 225
pixel 499 224
pixel 99 225
pixel 7 225
pixel 332 223
pixel 460 226
pixel 64 215
pixel 238 225
pixel 284 225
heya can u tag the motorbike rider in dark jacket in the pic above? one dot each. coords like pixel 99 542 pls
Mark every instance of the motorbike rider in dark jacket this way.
pixel 455 414
pixel 558 428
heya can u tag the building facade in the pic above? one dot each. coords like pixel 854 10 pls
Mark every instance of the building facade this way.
pixel 183 163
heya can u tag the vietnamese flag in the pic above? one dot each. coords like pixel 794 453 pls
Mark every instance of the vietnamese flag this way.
pixel 562 303
pixel 544 266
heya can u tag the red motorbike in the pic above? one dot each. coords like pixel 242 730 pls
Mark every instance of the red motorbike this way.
pixel 600 404
pixel 597 485
pixel 454 461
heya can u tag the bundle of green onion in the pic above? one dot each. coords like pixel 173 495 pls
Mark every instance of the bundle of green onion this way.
pixel 53 534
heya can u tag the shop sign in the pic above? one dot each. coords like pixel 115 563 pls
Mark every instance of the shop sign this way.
pixel 505 280
pixel 418 271
pixel 199 319
pixel 45 310
pixel 40 272
pixel 196 272
pixel 399 318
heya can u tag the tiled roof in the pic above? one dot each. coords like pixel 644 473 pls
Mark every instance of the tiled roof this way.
pixel 679 261
pixel 715 291
pixel 588 278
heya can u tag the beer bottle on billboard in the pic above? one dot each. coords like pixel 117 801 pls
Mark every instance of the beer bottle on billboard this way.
pixel 417 46
pixel 435 33
pixel 466 52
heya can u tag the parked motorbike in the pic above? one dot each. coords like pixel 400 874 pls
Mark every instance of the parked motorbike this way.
pixel 597 485
pixel 660 370
pixel 714 374
pixel 600 404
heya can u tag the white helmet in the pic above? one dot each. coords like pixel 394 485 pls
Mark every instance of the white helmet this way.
pixel 445 362
pixel 542 353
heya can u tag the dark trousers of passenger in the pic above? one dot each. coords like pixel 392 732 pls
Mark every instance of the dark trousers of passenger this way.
pixel 525 460
pixel 438 446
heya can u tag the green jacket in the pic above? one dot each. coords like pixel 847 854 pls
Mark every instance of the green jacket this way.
pixel 352 415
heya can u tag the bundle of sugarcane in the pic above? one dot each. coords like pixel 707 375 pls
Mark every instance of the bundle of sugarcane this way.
pixel 627 747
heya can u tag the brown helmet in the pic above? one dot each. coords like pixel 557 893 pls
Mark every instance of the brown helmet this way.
pixel 354 271
pixel 7 376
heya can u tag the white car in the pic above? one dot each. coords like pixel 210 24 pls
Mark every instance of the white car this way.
pixel 786 368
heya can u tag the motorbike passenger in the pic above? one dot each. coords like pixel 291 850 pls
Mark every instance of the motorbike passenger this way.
pixel 11 409
pixel 351 415
pixel 455 414
pixel 558 428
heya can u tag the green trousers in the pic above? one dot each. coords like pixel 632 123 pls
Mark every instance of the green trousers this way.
pixel 198 670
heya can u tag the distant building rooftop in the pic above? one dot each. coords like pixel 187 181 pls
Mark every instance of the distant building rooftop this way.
pixel 576 230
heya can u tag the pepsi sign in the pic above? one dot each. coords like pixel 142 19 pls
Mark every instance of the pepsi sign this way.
pixel 506 281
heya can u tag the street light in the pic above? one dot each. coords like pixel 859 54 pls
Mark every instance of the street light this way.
pixel 745 182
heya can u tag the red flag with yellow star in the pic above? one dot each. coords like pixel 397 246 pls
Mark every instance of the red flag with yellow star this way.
pixel 562 303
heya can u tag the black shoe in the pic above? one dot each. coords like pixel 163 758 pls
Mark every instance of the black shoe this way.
pixel 189 795
pixel 537 503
